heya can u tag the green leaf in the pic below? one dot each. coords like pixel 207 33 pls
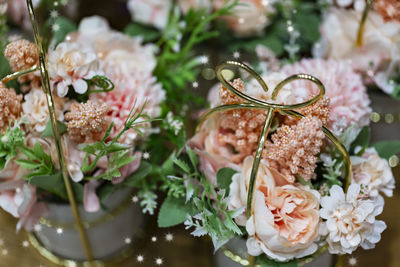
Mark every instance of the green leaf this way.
pixel 144 170
pixel 224 178
pixel 386 149
pixel 27 164
pixel 173 212
pixel 362 139
pixel 105 190
pixel 78 191
pixel 147 33
pixel 183 165
pixel 48 131
pixel 2 163
pixel 52 183
pixel 66 26
pixel 192 156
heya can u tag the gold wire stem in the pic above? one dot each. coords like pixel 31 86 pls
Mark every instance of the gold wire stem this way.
pixel 252 261
pixel 57 135
pixel 256 162
pixel 339 261
pixel 360 33
pixel 18 74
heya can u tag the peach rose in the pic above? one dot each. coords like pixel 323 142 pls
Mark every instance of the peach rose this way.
pixel 285 221
pixel 212 155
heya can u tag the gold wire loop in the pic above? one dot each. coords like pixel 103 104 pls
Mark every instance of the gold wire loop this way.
pixel 271 108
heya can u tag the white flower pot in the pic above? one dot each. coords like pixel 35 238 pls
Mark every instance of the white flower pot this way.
pixel 234 254
pixel 109 232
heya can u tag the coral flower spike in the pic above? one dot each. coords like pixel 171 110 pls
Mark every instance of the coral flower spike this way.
pixel 290 110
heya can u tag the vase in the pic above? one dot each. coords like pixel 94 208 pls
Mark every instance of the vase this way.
pixel 110 231
pixel 234 254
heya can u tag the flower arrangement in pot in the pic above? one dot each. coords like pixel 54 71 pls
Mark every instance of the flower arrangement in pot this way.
pixel 72 135
pixel 282 162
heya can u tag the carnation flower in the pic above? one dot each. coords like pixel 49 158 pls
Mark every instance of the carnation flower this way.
pixel 347 94
pixel 10 107
pixel 350 220
pixel 36 110
pixel 129 65
pixel 374 172
pixel 70 64
pixel 285 221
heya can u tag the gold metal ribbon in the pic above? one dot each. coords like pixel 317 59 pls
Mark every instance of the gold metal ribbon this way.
pixel 57 136
pixel 253 103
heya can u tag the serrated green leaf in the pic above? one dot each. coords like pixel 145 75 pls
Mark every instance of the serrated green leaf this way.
pixel 224 178
pixel 48 131
pixel 173 212
pixel 183 165
pixel 386 149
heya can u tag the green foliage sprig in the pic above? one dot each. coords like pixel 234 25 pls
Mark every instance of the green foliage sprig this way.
pixel 194 201
pixel 118 153
pixel 10 141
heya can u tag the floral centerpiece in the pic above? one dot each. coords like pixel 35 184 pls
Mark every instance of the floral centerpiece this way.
pixel 290 169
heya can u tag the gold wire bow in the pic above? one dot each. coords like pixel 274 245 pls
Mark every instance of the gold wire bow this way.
pixel 290 110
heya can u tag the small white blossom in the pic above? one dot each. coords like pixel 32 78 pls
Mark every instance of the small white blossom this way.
pixel 175 125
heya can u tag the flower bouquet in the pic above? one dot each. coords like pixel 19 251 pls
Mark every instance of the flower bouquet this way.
pixel 73 134
pixel 283 161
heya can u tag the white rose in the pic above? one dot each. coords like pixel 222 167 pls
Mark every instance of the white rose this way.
pixel 339 33
pixel 373 171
